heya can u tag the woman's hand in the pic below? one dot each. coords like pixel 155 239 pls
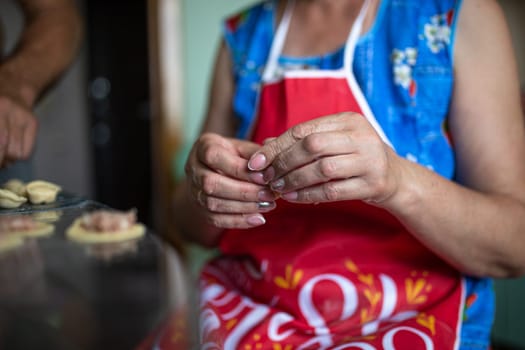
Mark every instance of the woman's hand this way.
pixel 220 183
pixel 338 157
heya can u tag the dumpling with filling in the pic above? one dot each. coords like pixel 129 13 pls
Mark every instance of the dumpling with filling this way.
pixel 103 225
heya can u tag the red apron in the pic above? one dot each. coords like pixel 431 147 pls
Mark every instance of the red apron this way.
pixel 340 275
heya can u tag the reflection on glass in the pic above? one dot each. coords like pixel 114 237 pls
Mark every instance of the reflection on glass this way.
pixel 21 274
pixel 48 215
pixel 24 226
pixel 108 251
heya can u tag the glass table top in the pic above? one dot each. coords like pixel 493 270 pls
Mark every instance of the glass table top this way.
pixel 59 294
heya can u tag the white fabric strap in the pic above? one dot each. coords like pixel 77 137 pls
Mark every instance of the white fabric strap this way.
pixel 353 37
pixel 278 42
pixel 271 68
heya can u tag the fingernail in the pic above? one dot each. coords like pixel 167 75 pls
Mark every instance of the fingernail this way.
pixel 290 196
pixel 257 178
pixel 269 174
pixel 266 196
pixel 266 205
pixel 277 185
pixel 257 162
pixel 255 220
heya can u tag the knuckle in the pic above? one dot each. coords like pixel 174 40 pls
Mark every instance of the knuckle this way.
pixel 293 181
pixel 214 220
pixel 306 196
pixel 210 184
pixel 327 168
pixel 314 143
pixel 239 172
pixel 212 204
pixel 300 131
pixel 194 178
pixel 331 191
pixel 210 154
pixel 272 148
pixel 279 163
pixel 245 196
pixel 188 170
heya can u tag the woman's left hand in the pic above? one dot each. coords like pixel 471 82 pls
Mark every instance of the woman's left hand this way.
pixel 333 158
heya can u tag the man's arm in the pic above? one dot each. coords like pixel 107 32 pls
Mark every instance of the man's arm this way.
pixel 48 43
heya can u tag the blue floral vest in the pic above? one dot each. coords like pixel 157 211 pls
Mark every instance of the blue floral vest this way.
pixel 404 65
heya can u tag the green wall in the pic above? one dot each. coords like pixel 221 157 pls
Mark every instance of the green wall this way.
pixel 201 30
pixel 510 313
pixel 202 21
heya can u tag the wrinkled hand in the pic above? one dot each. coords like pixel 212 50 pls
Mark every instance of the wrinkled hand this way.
pixel 334 158
pixel 18 127
pixel 220 182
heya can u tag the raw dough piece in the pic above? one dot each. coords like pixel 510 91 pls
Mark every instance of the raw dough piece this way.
pixel 10 199
pixel 16 186
pixel 103 226
pixel 42 192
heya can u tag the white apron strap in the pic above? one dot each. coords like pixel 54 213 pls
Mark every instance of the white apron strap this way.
pixel 278 43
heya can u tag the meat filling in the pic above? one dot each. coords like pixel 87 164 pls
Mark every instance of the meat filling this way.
pixel 108 220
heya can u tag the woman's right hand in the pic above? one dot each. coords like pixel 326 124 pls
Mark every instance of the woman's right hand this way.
pixel 221 184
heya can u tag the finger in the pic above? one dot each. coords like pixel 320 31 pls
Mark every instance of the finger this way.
pixel 309 149
pixel 4 136
pixel 222 160
pixel 29 137
pixel 16 131
pixel 245 148
pixel 231 221
pixel 266 155
pixel 225 206
pixel 323 170
pixel 348 189
pixel 217 185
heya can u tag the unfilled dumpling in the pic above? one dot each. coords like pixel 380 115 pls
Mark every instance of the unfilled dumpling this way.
pixel 42 192
pixel 10 199
pixel 17 186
